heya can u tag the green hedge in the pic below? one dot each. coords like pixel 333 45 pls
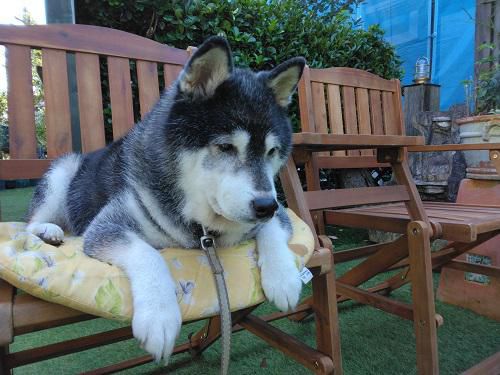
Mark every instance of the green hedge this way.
pixel 261 32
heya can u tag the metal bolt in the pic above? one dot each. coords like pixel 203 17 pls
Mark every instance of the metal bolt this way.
pixel 415 231
pixel 495 155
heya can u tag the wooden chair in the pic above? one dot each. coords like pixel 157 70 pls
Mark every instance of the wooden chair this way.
pixel 352 119
pixel 89 46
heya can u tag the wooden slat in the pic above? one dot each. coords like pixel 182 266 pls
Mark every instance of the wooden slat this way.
pixel 335 113
pixel 390 120
pixel 398 108
pixel 347 162
pixel 352 77
pixel 149 90
pixel 354 197
pixel 24 168
pixel 424 309
pixel 28 356
pixel 92 39
pixel 321 142
pixel 90 101
pixel 376 116
pixel 170 74
pixel 122 111
pixel 56 95
pixel 350 118
pixel 318 97
pixel 295 195
pixel 6 303
pixel 489 366
pixel 476 268
pixel 363 109
pixel 380 302
pixel 33 314
pixel 455 147
pixel 310 358
pixel 22 140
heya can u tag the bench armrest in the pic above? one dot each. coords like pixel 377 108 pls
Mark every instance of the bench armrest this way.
pixel 455 147
pixel 315 142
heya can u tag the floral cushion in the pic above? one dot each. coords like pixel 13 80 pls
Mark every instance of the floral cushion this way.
pixel 67 276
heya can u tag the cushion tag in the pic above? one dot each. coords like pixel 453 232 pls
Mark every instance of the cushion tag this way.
pixel 305 275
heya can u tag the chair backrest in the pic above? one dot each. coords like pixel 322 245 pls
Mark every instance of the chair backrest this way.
pixel 349 101
pixel 122 54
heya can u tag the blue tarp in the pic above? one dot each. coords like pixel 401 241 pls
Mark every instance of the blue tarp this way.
pixel 407 25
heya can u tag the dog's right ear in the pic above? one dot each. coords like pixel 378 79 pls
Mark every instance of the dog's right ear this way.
pixel 210 65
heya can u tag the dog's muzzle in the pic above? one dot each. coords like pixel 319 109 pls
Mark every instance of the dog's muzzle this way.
pixel 264 208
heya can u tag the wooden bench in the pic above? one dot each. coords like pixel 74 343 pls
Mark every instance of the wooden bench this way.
pixel 352 119
pixel 89 46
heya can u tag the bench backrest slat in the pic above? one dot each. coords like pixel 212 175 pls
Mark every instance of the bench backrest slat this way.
pixel 22 139
pixel 88 80
pixel 56 95
pixel 349 101
pixel 149 89
pixel 99 54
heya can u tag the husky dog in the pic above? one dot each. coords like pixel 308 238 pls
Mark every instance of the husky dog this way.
pixel 206 154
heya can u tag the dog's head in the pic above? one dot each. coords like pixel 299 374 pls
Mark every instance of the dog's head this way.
pixel 233 133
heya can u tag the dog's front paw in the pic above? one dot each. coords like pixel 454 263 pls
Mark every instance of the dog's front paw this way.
pixel 156 325
pixel 48 232
pixel 281 284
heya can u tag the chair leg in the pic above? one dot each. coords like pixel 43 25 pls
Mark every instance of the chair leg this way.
pixel 326 316
pixel 4 369
pixel 423 298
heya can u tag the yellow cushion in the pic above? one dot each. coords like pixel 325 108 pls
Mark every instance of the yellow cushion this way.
pixel 67 276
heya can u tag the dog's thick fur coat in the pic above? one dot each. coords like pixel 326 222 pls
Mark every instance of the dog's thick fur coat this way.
pixel 206 154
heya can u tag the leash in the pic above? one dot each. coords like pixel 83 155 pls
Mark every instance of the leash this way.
pixel 208 245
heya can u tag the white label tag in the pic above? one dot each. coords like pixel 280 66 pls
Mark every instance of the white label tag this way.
pixel 305 275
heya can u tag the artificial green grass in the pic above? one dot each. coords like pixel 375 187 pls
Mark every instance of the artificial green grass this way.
pixel 373 342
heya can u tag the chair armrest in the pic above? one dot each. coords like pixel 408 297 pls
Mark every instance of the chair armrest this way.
pixel 454 147
pixel 315 142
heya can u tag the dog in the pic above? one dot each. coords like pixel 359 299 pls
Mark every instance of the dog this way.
pixel 206 154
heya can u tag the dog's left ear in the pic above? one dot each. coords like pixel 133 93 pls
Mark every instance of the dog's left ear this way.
pixel 210 65
pixel 284 78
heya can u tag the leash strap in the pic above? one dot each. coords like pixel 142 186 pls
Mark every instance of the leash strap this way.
pixel 208 245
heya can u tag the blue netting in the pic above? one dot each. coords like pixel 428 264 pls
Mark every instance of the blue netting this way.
pixel 408 26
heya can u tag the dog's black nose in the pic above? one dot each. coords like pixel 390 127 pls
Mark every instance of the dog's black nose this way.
pixel 264 207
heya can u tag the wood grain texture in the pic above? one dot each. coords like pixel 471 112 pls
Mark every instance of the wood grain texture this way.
pixel 363 110
pixel 376 117
pixel 170 73
pixel 424 310
pixel 149 89
pixel 350 117
pixel 120 88
pixel 335 117
pixel 88 80
pixel 21 113
pixel 351 77
pixel 56 95
pixel 305 101
pixel 92 39
pixel 389 112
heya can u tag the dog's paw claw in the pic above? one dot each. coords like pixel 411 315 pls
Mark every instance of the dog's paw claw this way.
pixel 282 285
pixel 48 232
pixel 156 328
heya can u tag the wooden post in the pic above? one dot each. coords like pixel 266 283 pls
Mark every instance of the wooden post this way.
pixel 419 98
pixel 424 311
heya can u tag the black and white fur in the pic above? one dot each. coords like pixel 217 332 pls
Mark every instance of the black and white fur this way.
pixel 206 154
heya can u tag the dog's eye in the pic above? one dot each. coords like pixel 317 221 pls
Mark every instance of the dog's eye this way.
pixel 272 151
pixel 225 147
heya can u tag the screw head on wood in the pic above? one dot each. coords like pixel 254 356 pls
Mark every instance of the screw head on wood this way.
pixel 495 155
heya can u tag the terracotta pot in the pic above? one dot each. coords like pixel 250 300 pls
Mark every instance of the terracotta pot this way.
pixel 480 129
